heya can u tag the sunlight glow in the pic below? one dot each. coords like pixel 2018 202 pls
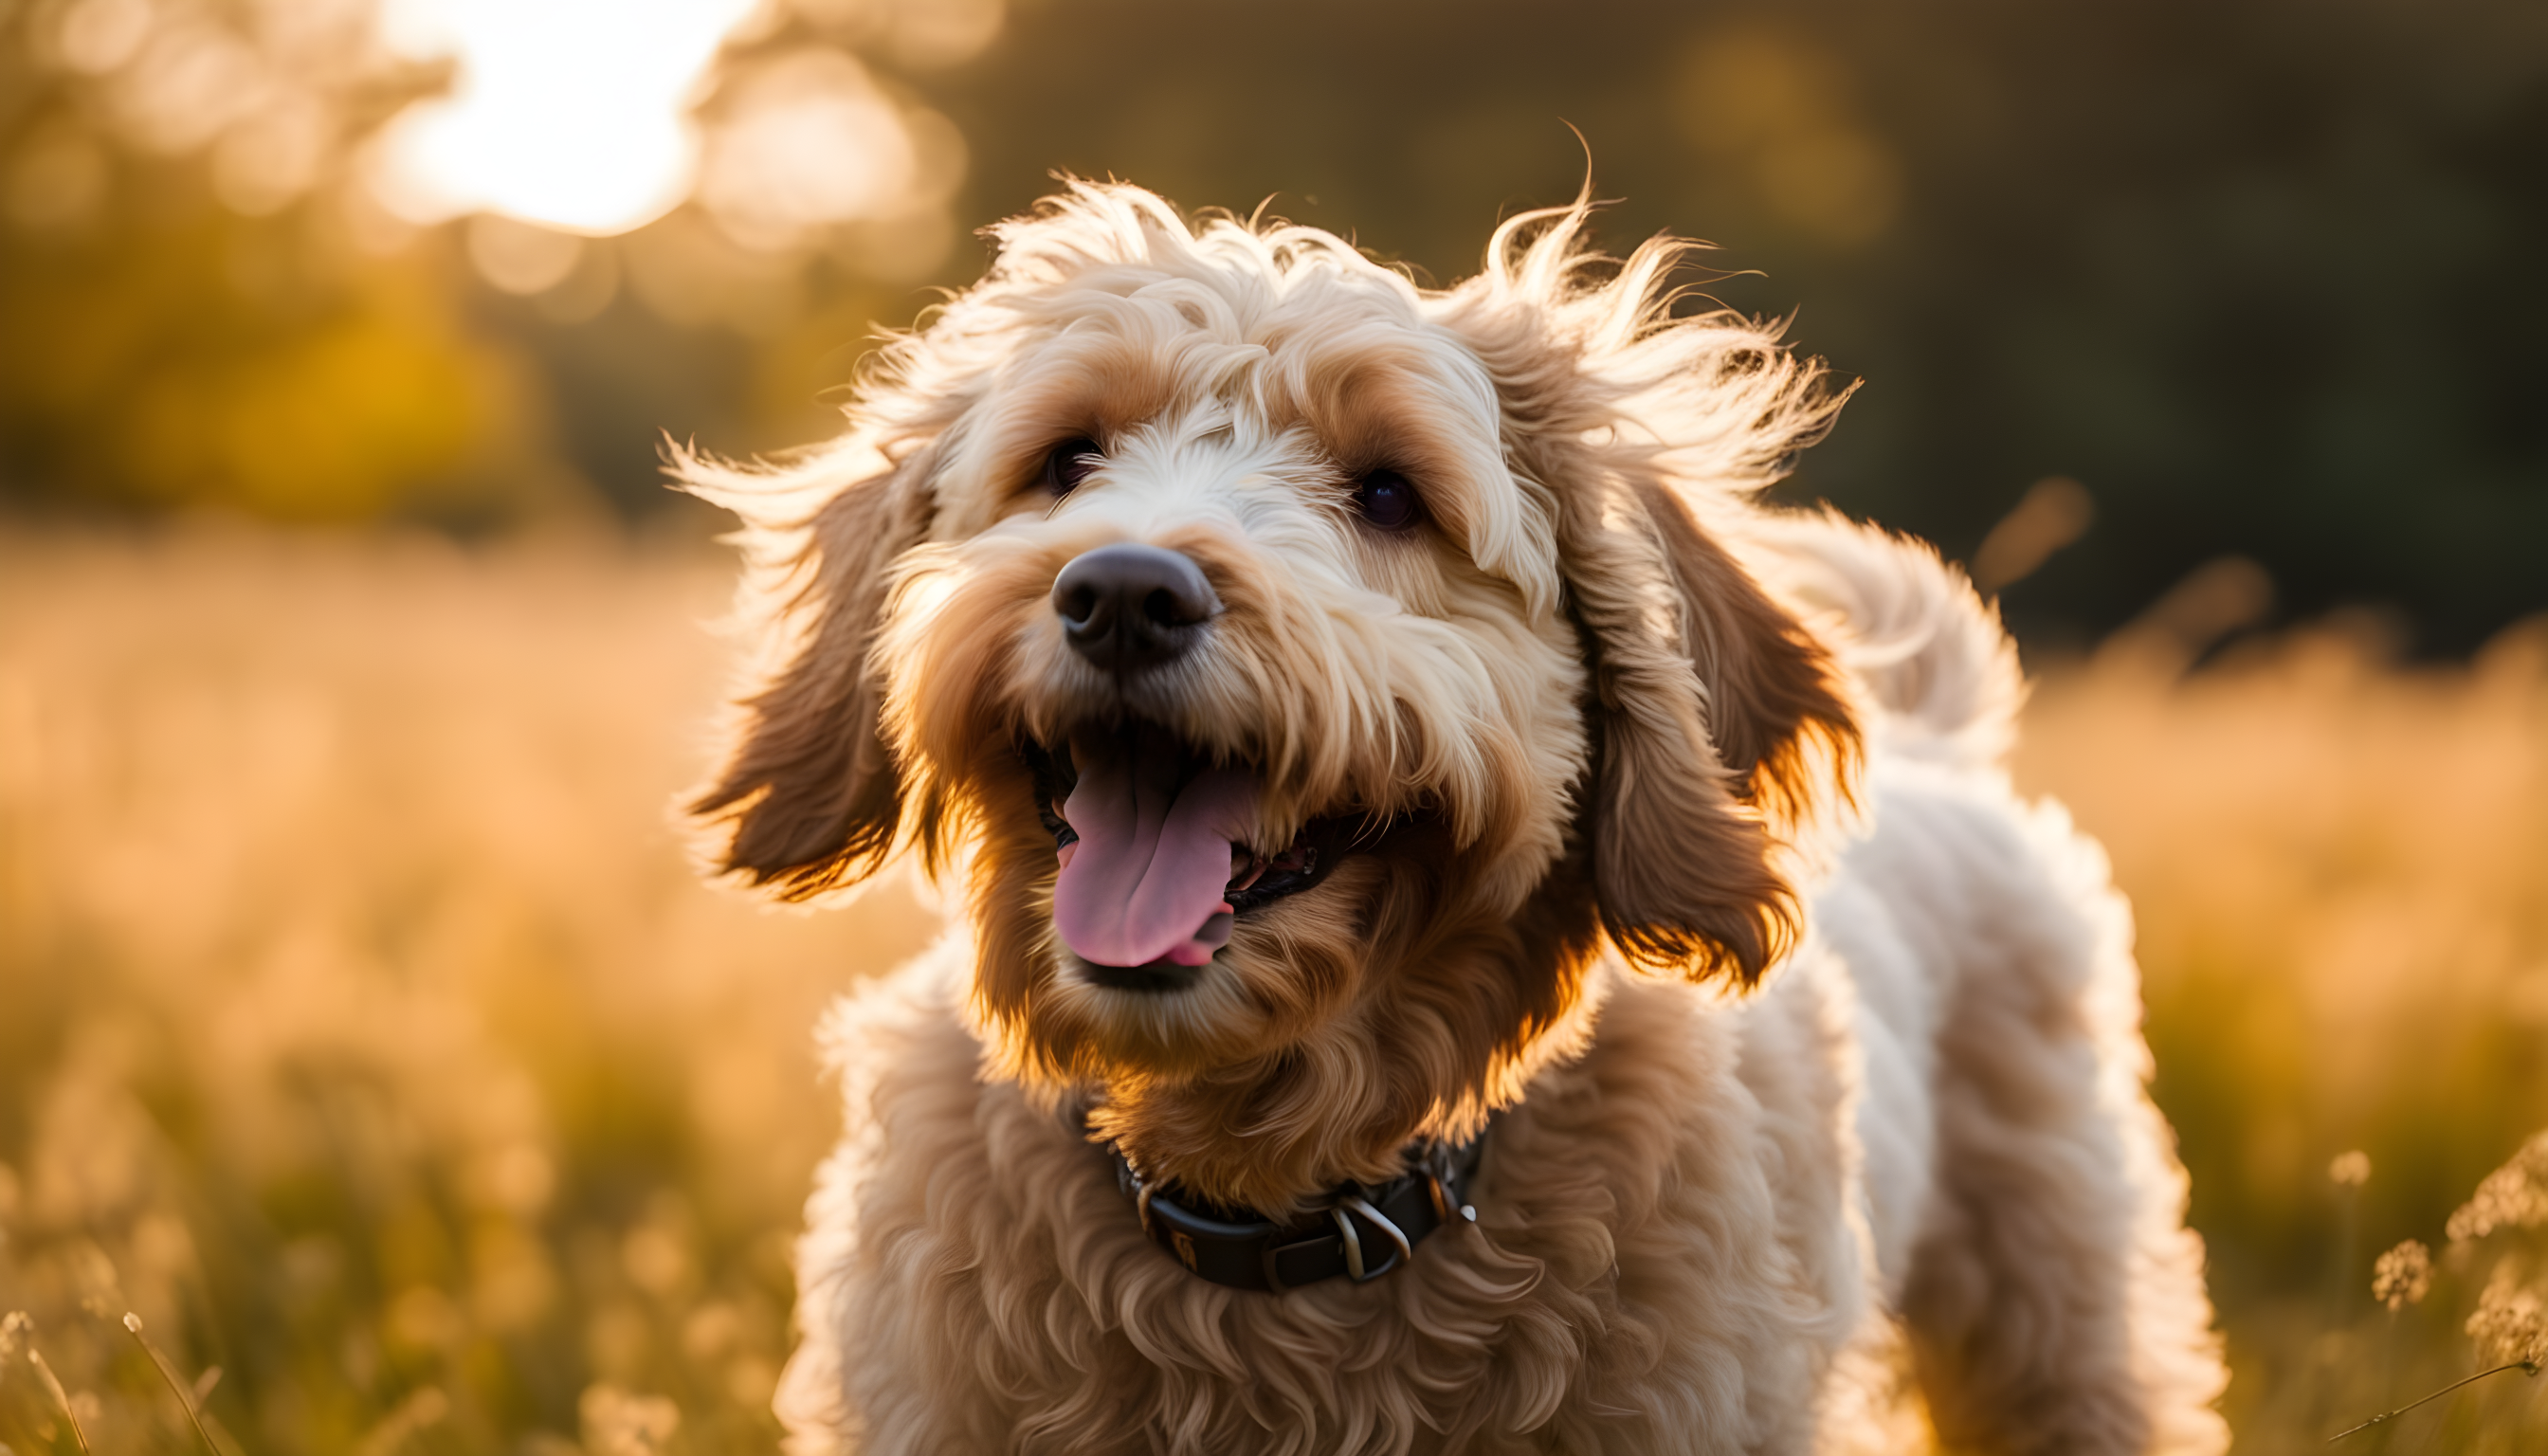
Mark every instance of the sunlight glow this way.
pixel 565 113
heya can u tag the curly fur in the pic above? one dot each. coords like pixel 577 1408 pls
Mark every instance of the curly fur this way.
pixel 1811 1054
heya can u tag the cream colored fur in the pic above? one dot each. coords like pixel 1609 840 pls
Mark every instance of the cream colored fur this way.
pixel 1817 1097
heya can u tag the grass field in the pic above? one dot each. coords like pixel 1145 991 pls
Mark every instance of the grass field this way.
pixel 364 1030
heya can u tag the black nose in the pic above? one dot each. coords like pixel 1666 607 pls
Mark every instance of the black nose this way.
pixel 1130 607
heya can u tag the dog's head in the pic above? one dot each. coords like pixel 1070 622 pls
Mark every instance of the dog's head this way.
pixel 1310 671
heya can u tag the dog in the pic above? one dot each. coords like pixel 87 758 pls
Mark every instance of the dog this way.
pixel 1477 934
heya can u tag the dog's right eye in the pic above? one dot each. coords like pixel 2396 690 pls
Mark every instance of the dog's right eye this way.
pixel 1388 501
pixel 1070 463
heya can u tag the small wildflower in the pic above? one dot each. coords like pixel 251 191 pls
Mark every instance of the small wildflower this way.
pixel 2403 1275
pixel 2510 1324
pixel 2514 1196
pixel 2350 1169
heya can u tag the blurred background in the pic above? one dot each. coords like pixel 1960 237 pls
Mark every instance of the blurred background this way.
pixel 362 1028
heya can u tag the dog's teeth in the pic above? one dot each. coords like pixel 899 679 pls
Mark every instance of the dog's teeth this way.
pixel 1247 867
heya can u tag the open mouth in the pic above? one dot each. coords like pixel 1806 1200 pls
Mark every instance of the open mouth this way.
pixel 1158 851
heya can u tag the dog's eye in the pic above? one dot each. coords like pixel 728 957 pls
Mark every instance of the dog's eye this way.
pixel 1388 501
pixel 1070 463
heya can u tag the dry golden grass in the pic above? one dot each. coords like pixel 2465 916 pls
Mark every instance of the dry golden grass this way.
pixel 363 1028
pixel 2340 874
pixel 362 1025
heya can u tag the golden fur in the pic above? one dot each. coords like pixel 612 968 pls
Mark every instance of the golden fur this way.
pixel 1599 718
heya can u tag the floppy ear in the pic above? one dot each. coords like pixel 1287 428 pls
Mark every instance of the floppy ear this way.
pixel 1777 714
pixel 1718 724
pixel 809 798
pixel 1718 727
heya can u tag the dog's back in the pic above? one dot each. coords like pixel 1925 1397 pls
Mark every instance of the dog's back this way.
pixel 1928 656
pixel 2023 1195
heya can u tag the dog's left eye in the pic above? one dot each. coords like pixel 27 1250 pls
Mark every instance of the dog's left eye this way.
pixel 1070 463
pixel 1388 501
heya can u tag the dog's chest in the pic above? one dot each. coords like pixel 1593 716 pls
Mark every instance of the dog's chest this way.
pixel 1641 1234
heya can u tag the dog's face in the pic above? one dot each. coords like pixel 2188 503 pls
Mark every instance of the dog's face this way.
pixel 1308 671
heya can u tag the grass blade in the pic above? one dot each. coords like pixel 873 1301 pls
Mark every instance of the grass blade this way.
pixel 2523 1366
pixel 61 1397
pixel 184 1392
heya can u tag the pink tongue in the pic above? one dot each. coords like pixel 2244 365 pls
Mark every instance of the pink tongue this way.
pixel 1147 875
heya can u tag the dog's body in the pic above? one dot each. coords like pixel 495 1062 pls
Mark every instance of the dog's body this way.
pixel 1542 707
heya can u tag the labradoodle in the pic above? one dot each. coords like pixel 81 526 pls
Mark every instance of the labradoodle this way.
pixel 1478 935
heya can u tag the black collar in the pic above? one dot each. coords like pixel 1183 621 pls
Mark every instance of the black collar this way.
pixel 1364 1230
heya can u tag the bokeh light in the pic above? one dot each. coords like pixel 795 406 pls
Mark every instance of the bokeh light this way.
pixel 808 141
